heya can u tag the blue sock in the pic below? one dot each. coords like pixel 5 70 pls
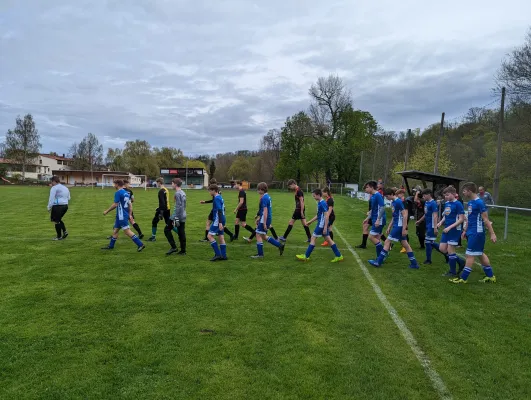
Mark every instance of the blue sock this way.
pixel 214 245
pixel 223 249
pixel 137 241
pixel 381 257
pixel 412 258
pixel 460 261
pixel 465 273
pixel 175 229
pixel 488 271
pixel 429 250
pixel 336 250
pixel 436 245
pixel 274 242
pixel 309 250
pixel 452 262
pixel 260 247
pixel 154 231
pixel 379 248
pixel 111 244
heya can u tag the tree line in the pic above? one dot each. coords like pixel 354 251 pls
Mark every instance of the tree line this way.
pixel 334 141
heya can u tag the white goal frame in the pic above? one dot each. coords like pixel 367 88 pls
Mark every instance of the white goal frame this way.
pixel 311 185
pixel 128 177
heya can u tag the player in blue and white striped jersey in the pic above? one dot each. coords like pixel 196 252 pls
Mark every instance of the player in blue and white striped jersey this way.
pixel 396 232
pixel 477 221
pixel 322 229
pixel 122 205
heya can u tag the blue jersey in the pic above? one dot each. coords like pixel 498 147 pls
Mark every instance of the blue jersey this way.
pixel 475 222
pixel 452 211
pixel 377 206
pixel 265 202
pixel 429 208
pixel 322 209
pixel 218 210
pixel 121 197
pixel 398 219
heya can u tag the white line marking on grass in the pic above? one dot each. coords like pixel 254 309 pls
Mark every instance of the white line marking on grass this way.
pixel 430 371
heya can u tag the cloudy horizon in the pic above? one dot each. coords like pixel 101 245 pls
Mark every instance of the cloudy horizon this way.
pixel 216 79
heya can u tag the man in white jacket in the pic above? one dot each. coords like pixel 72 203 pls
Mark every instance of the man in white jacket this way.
pixel 58 206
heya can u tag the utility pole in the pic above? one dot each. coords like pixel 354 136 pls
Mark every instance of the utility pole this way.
pixel 408 138
pixel 387 160
pixel 441 133
pixel 374 161
pixel 361 168
pixel 499 149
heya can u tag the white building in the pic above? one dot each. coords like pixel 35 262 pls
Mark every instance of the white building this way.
pixel 40 168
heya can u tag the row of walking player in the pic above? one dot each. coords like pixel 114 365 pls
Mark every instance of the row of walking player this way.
pixel 456 227
pixel 216 221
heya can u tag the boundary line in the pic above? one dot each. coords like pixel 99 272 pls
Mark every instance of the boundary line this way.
pixel 425 362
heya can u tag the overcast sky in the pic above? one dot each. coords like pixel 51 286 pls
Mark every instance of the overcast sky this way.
pixel 214 76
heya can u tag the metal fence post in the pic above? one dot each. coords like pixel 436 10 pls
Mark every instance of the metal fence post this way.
pixel 506 223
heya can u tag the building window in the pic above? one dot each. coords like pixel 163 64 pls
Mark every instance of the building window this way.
pixel 40 162
pixel 59 162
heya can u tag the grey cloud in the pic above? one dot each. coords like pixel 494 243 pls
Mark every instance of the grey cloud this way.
pixel 214 77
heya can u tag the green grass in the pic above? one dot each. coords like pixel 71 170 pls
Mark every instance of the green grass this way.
pixel 76 322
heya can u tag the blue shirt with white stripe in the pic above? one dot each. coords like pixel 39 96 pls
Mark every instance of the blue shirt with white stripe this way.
pixel 475 223
pixel 398 219
pixel 121 197
pixel 322 209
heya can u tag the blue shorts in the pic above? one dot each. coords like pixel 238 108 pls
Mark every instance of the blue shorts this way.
pixel 121 224
pixel 451 238
pixel 376 231
pixel 261 229
pixel 430 234
pixel 318 232
pixel 475 244
pixel 215 231
pixel 396 234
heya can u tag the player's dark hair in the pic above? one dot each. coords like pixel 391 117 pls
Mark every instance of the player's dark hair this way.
pixel 126 181
pixel 119 182
pixel 213 181
pixel 178 181
pixel 55 179
pixel 389 192
pixel 318 192
pixel 326 190
pixel 449 190
pixel 427 191
pixel 470 186
pixel 372 184
pixel 214 188
pixel 239 183
pixel 160 180
pixel 292 182
pixel 262 186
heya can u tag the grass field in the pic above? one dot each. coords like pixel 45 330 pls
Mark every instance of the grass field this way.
pixel 76 322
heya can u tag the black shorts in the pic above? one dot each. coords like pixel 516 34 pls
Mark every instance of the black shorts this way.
pixel 242 215
pixel 57 213
pixel 211 215
pixel 297 214
pixel 331 222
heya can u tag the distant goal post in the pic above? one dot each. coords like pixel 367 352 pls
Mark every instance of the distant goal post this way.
pixel 334 187
pixel 136 181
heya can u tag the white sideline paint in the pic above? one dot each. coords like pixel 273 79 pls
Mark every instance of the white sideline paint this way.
pixel 432 374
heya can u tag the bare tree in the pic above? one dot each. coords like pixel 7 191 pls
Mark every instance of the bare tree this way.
pixel 515 72
pixel 330 97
